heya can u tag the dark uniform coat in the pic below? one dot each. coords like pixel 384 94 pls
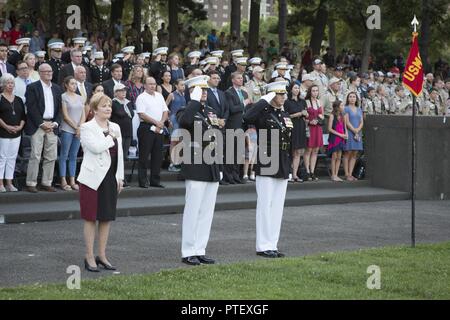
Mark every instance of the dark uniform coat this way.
pixel 263 116
pixel 99 75
pixel 204 115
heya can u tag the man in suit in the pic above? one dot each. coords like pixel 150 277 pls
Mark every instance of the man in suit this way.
pixel 99 72
pixel 68 70
pixel 84 88
pixel 5 66
pixel 43 117
pixel 217 100
pixel 116 78
pixel 55 59
pixel 77 43
pixel 237 100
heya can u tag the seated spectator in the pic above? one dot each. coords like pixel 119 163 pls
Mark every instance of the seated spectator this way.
pixel 72 108
pixel 12 121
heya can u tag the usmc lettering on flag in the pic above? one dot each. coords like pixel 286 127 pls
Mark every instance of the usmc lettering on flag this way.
pixel 413 75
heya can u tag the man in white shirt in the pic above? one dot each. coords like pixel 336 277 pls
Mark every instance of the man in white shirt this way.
pixel 153 112
pixel 22 80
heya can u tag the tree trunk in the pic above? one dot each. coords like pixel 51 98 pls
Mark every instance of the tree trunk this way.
pixel 254 27
pixel 86 12
pixel 235 25
pixel 137 21
pixel 366 50
pixel 332 35
pixel 424 39
pixel 173 24
pixel 116 12
pixel 319 28
pixel 35 5
pixel 52 13
pixel 282 22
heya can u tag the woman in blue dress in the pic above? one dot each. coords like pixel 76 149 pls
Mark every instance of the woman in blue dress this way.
pixel 354 120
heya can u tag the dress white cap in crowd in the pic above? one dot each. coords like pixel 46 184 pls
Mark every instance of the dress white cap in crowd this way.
pixel 255 60
pixel 119 86
pixel 40 54
pixel 200 81
pixel 56 45
pixel 162 51
pixel 23 41
pixel 129 49
pixel 277 87
pixel 307 77
pixel 98 55
pixel 217 53
pixel 281 65
pixel 242 60
pixel 79 40
pixel 212 60
pixel 317 61
pixel 194 54
pixel 146 54
pixel 13 48
pixel 237 53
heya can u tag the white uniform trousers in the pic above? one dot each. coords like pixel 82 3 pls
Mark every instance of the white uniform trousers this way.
pixel 269 211
pixel 8 155
pixel 197 216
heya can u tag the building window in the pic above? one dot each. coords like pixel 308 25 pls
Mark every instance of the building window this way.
pixel 214 6
pixel 225 15
pixel 225 7
pixel 215 15
pixel 206 6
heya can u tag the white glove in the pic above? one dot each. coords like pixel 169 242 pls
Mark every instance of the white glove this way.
pixel 221 175
pixel 196 94
pixel 268 97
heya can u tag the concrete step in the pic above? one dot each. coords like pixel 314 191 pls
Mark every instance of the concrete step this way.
pixel 243 198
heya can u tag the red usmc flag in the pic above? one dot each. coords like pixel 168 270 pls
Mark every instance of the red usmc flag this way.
pixel 413 75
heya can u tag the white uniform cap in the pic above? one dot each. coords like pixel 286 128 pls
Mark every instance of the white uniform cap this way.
pixel 317 61
pixel 56 45
pixel 23 41
pixel 200 81
pixel 242 60
pixel 129 49
pixel 257 69
pixel 87 48
pixel 334 80
pixel 307 77
pixel 217 53
pixel 146 54
pixel 390 75
pixel 290 66
pixel 194 54
pixel 99 55
pixel 162 51
pixel 277 87
pixel 255 60
pixel 13 48
pixel 79 40
pixel 380 74
pixel 281 65
pixel 212 60
pixel 119 86
pixel 119 55
pixel 202 63
pixel 237 53
pixel 40 54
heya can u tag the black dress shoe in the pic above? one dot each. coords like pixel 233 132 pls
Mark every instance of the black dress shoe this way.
pixel 205 260
pixel 89 268
pixel 231 182
pixel 223 183
pixel 279 254
pixel 143 186
pixel 99 262
pixel 267 254
pixel 192 260
pixel 157 186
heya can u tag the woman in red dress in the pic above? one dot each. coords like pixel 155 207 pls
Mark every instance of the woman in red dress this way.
pixel 315 140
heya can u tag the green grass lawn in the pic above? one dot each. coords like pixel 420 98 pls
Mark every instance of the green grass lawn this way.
pixel 406 273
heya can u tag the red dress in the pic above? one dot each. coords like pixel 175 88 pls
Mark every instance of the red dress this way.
pixel 315 131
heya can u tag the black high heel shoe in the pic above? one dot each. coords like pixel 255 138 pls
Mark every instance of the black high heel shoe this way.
pixel 89 268
pixel 98 261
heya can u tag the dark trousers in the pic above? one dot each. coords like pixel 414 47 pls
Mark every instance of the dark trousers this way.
pixel 126 143
pixel 231 171
pixel 150 143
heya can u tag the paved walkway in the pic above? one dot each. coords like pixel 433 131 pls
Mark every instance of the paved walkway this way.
pixel 40 252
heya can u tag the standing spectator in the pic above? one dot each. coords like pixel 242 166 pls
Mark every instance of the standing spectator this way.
pixel 315 139
pixel 223 41
pixel 122 114
pixel 43 117
pixel 328 58
pixel 176 71
pixel 153 112
pixel 72 108
pixel 36 42
pixel 296 107
pixel 271 50
pixel 30 60
pixel 255 87
pixel 99 72
pixel 135 84
pixel 55 58
pixel 4 35
pixel 355 122
pixel 15 34
pixel 203 48
pixel 76 57
pixel 213 41
pixel 116 78
pixel 118 30
pixel 147 39
pixel 22 50
pixel 320 78
pixel 84 88
pixel 163 36
pixel 237 100
pixel 12 121
pixel 22 80
pixel 5 66
pixel 166 86
pixel 101 179
pixel 337 128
